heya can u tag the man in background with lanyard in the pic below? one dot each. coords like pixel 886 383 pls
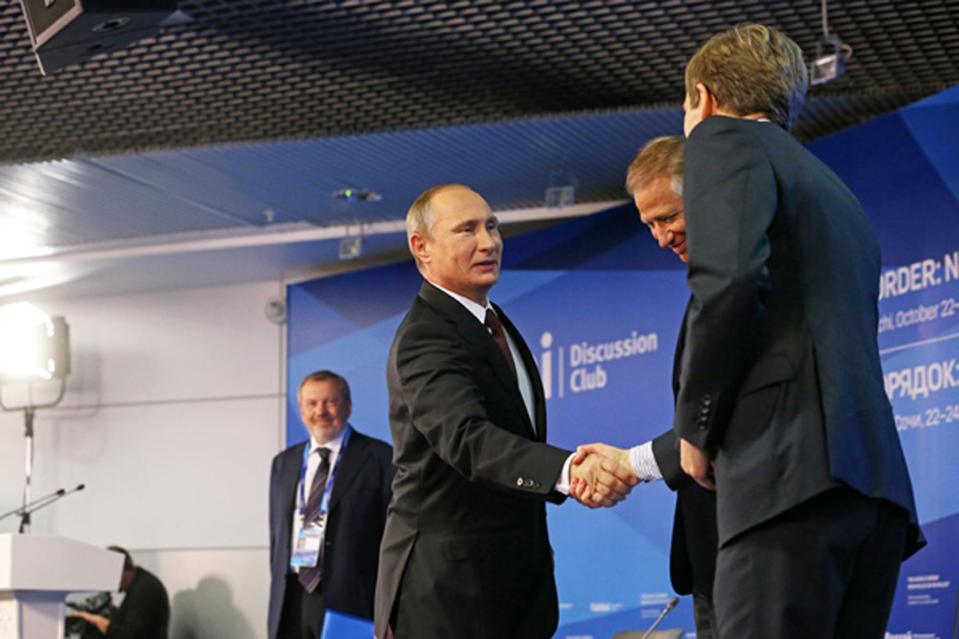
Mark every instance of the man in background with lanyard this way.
pixel 328 499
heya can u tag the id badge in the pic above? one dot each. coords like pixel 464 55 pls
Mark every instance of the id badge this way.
pixel 309 543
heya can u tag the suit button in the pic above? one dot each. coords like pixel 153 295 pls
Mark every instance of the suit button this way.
pixel 707 400
pixel 519 481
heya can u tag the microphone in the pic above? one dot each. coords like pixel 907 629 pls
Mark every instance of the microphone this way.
pixel 669 606
pixel 41 502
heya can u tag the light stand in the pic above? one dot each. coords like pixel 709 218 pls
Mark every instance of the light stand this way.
pixel 29 412
pixel 33 346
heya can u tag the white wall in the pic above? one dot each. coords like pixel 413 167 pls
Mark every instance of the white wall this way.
pixel 172 414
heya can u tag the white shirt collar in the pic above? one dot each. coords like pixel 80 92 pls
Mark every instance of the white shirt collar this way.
pixel 478 310
pixel 334 444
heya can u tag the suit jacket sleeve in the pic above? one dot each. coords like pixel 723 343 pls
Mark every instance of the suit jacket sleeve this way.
pixel 730 198
pixel 275 509
pixel 666 453
pixel 439 386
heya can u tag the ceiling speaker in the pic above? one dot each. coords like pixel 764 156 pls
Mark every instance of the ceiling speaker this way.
pixel 67 32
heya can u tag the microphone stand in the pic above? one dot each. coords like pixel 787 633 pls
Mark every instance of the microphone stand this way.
pixel 26 510
pixel 669 606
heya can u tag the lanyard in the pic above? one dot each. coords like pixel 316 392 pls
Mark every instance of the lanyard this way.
pixel 328 489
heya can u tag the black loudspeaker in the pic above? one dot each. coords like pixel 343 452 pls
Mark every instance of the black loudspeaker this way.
pixel 70 31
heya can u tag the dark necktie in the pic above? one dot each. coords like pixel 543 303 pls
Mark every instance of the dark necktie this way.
pixel 499 336
pixel 310 577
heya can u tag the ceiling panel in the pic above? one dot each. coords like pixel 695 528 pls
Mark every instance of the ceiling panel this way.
pixel 236 187
pixel 247 71
pixel 246 119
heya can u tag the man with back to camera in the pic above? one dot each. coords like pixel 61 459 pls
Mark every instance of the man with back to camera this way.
pixel 465 553
pixel 328 499
pixel 144 612
pixel 780 390
pixel 655 180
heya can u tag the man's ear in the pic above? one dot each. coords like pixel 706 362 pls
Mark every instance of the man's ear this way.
pixel 419 248
pixel 707 101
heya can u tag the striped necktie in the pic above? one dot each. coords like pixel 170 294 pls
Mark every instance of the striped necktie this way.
pixel 310 577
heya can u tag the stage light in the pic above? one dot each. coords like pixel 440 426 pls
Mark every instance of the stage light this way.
pixel 830 61
pixel 558 197
pixel 351 247
pixel 33 345
pixel 561 190
pixel 831 54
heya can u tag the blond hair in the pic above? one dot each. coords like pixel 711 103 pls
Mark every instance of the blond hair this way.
pixel 751 69
pixel 662 156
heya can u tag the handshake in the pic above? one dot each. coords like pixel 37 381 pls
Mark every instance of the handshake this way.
pixel 601 475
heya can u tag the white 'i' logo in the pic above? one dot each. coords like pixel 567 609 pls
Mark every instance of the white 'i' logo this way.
pixel 546 364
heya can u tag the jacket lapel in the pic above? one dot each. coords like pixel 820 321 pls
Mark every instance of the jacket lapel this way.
pixel 478 338
pixel 678 355
pixel 290 479
pixel 350 464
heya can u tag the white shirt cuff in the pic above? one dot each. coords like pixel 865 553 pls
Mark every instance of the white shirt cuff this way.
pixel 644 462
pixel 562 484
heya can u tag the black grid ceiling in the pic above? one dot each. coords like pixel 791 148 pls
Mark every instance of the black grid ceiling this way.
pixel 257 70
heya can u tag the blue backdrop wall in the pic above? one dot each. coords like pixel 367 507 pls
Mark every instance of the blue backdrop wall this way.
pixel 905 169
pixel 602 282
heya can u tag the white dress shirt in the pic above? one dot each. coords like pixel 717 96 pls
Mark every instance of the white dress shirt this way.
pixel 522 375
pixel 312 465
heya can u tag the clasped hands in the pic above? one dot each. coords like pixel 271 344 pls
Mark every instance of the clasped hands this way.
pixel 601 475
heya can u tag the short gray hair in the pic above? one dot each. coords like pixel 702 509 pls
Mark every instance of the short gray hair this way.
pixel 327 376
pixel 420 217
pixel 661 157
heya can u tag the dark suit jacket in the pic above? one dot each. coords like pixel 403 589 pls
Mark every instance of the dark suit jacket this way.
pixel 692 554
pixel 780 372
pixel 361 493
pixel 465 553
pixel 145 611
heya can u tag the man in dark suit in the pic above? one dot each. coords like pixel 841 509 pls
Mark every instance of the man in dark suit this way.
pixel 144 612
pixel 328 500
pixel 655 180
pixel 781 401
pixel 466 553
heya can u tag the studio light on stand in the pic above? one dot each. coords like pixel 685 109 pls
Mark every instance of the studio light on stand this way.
pixel 34 350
